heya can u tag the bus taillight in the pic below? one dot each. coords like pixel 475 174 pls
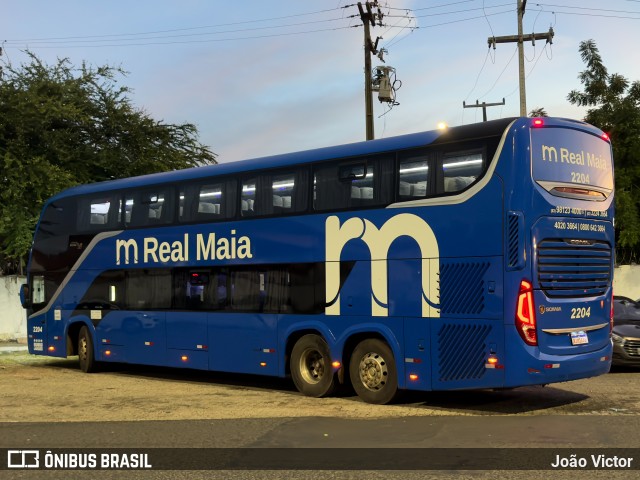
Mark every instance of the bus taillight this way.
pixel 611 315
pixel 526 315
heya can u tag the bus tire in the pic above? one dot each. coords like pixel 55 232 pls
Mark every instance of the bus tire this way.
pixel 311 368
pixel 86 352
pixel 373 373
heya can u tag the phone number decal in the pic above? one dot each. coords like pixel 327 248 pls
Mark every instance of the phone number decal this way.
pixel 579 227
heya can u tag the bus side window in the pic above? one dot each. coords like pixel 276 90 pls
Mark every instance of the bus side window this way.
pixel 360 176
pixel 127 209
pixel 246 290
pixel 38 293
pixel 307 290
pixel 282 191
pixel 413 178
pixel 248 198
pixel 148 289
pixel 275 193
pixel 200 289
pixel 211 202
pixel 153 207
pixel 105 293
pixel 275 288
pixel 358 183
pixel 98 214
pixel 460 170
pixel 332 185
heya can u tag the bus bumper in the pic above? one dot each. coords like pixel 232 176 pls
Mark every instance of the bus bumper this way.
pixel 534 368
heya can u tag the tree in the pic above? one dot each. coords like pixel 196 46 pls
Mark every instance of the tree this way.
pixel 615 109
pixel 538 112
pixel 62 126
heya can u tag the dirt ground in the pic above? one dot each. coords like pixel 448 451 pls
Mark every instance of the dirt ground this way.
pixel 42 389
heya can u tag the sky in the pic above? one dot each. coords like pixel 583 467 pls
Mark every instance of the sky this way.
pixel 262 77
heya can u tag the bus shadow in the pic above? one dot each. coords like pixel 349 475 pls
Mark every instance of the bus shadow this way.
pixel 502 401
pixel 506 401
pixel 183 375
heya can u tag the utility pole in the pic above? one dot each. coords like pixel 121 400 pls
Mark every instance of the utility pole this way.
pixel 369 18
pixel 484 106
pixel 520 39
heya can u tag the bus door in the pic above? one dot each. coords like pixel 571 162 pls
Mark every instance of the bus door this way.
pixel 41 328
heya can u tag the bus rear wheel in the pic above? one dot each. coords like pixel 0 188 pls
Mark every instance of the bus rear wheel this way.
pixel 86 353
pixel 311 367
pixel 373 372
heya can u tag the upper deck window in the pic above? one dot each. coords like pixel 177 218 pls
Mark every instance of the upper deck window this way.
pixel 413 176
pixel 274 193
pixel 152 207
pixel 98 213
pixel 358 183
pixel 461 170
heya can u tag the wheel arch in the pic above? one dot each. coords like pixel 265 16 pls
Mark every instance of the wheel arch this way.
pixel 73 332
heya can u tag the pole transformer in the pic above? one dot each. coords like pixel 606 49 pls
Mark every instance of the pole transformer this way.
pixel 368 18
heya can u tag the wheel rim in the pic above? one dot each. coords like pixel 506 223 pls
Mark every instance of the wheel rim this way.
pixel 373 371
pixel 83 349
pixel 311 365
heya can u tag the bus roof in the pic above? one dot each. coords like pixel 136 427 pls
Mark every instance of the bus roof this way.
pixel 466 132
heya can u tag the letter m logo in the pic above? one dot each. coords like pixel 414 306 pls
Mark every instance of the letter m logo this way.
pixel 126 247
pixel 379 241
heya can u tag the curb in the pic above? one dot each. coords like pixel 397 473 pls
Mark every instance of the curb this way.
pixel 13 348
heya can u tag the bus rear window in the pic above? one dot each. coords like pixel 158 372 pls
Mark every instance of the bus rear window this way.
pixel 571 163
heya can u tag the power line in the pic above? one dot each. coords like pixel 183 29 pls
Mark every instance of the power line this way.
pixel 464 19
pixel 590 9
pixel 442 5
pixel 449 4
pixel 462 11
pixel 201 27
pixel 92 39
pixel 596 15
pixel 515 50
pixel 475 84
pixel 211 40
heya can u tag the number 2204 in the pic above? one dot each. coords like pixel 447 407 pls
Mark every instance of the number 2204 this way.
pixel 581 312
pixel 577 177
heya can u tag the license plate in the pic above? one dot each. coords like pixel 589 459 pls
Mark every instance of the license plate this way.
pixel 579 338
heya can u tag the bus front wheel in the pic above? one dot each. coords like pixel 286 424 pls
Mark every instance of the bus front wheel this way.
pixel 86 354
pixel 311 369
pixel 373 372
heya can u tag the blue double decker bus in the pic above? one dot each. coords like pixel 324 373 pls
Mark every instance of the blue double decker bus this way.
pixel 476 257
